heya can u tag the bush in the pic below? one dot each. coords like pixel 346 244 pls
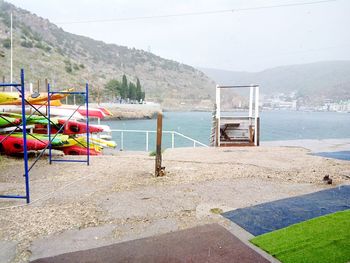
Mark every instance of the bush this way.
pixel 39 45
pixel 26 31
pixel 6 43
pixel 69 69
pixel 27 44
pixel 76 67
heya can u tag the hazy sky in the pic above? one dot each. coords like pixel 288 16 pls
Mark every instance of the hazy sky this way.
pixel 250 40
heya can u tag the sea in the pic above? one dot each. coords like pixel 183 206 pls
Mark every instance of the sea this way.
pixel 274 125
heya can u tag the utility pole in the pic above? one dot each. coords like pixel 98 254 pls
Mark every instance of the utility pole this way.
pixel 11 80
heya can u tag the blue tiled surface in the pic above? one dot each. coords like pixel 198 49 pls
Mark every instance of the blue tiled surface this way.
pixel 267 217
pixel 342 155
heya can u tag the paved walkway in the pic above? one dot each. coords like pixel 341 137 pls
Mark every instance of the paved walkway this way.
pixel 207 243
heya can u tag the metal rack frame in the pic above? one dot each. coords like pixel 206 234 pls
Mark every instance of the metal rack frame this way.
pixel 24 131
pixel 86 102
pixel 23 123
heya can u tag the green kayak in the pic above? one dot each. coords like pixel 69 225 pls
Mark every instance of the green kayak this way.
pixel 59 140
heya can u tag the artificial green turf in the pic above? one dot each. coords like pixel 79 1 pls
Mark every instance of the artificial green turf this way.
pixel 322 239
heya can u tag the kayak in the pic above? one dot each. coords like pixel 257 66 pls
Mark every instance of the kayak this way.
pixel 81 141
pixel 79 150
pixel 6 97
pixel 54 111
pixel 6 121
pixel 12 145
pixel 105 128
pixel 13 128
pixel 74 127
pixel 59 140
pixel 42 98
pixel 93 112
pixel 43 102
pixel 103 143
pixel 31 119
pixel 105 111
pixel 70 128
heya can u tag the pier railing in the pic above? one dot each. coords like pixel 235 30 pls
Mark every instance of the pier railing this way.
pixel 147 133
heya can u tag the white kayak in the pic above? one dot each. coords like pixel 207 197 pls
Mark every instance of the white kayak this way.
pixel 54 111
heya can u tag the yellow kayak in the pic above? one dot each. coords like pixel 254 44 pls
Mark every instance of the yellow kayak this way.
pixel 103 143
pixel 8 97
pixel 39 100
pixel 79 141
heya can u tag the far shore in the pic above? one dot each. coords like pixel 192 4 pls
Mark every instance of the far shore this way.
pixel 150 111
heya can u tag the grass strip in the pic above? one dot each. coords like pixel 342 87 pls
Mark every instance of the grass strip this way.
pixel 322 239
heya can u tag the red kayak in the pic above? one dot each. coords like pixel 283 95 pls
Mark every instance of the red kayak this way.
pixel 78 150
pixel 75 127
pixel 96 113
pixel 93 112
pixel 105 111
pixel 72 127
pixel 12 145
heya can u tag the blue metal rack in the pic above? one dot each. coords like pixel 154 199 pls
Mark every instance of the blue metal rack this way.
pixel 86 101
pixel 20 88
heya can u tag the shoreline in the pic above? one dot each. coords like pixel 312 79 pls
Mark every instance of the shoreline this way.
pixel 130 111
pixel 150 111
pixel 314 145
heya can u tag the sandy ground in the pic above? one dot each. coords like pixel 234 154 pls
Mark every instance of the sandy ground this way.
pixel 117 198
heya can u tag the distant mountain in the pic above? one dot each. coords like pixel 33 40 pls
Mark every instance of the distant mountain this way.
pixel 317 81
pixel 68 60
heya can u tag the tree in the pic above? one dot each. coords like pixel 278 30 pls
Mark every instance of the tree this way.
pixel 138 90
pixel 132 91
pixel 124 89
pixel 112 88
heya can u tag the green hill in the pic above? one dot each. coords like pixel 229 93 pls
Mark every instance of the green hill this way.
pixel 68 60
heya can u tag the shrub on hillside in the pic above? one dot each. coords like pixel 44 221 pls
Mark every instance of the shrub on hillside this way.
pixel 6 43
pixel 27 44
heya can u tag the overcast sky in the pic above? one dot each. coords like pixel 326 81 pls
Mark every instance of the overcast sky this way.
pixel 250 40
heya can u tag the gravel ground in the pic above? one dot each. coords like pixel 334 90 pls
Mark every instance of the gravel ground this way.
pixel 121 194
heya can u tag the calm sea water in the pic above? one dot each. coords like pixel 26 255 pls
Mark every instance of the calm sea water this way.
pixel 275 125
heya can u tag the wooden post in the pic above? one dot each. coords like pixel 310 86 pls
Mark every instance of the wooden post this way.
pixel 38 87
pixel 3 81
pixel 159 171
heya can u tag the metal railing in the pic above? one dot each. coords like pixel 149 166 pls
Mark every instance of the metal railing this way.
pixel 147 133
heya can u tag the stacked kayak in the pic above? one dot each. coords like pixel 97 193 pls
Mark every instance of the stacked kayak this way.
pixel 68 126
pixel 12 98
pixel 12 144
pixel 8 97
